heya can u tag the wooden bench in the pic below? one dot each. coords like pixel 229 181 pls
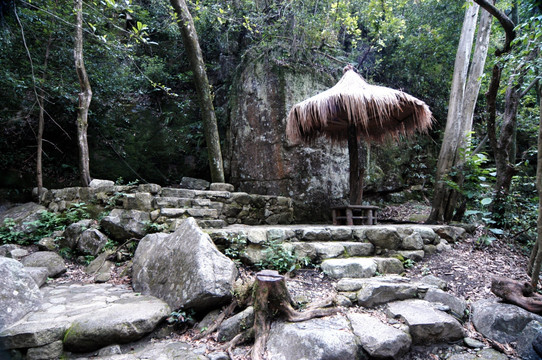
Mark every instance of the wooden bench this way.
pixel 354 215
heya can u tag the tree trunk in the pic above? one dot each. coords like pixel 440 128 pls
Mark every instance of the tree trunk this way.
pixel 85 97
pixel 193 50
pixel 357 170
pixel 444 199
pixel 41 124
pixel 535 262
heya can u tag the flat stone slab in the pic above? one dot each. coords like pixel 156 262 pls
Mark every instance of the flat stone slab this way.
pixel 426 324
pixel 86 318
pixel 349 268
pixel 326 338
pixel 380 340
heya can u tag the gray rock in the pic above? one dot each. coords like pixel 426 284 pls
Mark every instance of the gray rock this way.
pixel 357 284
pixel 125 224
pixel 39 274
pixel 412 242
pixel 473 343
pixel 18 253
pixel 120 322
pixel 381 341
pixel 194 184
pixel 414 255
pixel 71 235
pixel 52 261
pixel 97 183
pixel 21 214
pixel 432 280
pixel 168 350
pixel 501 322
pixel 256 236
pixel 349 268
pixel 388 265
pixel 358 248
pixel 185 269
pixel 110 350
pixel 384 237
pixel 47 244
pixel 525 341
pixel 317 339
pixel 19 293
pixel 375 293
pixel 443 246
pixel 53 350
pixel 235 325
pixel 207 320
pixel 100 264
pixel 457 305
pixel 138 201
pixel 315 234
pixel 154 189
pixel 91 242
pixel 218 356
pixel 426 324
pixel 221 187
pixel 486 354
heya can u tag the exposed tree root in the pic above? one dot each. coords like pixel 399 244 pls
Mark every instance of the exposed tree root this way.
pixel 270 298
pixel 519 293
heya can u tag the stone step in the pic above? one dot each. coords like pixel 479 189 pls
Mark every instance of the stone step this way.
pixel 426 323
pixel 192 194
pixel 318 251
pixel 176 202
pixel 361 267
pixel 172 213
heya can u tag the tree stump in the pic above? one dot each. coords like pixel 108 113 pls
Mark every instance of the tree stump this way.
pixel 271 298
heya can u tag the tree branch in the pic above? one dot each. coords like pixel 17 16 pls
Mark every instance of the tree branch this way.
pixel 507 24
pixel 531 85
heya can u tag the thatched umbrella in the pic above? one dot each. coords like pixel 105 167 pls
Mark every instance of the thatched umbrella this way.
pixel 354 109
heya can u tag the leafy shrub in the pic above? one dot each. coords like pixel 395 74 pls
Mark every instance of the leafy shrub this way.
pixel 276 257
pixel 9 235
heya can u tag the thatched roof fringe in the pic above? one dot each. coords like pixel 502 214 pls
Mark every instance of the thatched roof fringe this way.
pixel 376 112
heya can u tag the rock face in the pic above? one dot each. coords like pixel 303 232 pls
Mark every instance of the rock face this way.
pixel 185 268
pixel 501 322
pixel 317 339
pixel 262 161
pixel 19 293
pixel 48 259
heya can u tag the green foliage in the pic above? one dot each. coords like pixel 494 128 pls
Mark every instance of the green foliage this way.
pixel 276 257
pixel 236 247
pixel 181 318
pixel 10 235
pixel 152 227
pixel 407 263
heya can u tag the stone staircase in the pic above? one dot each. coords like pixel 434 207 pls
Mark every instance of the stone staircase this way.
pixel 344 251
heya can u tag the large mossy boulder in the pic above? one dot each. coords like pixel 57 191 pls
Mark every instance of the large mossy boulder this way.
pixel 184 268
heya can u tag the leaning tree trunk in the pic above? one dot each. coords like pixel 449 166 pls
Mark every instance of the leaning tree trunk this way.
pixel 85 97
pixel 210 127
pixel 454 134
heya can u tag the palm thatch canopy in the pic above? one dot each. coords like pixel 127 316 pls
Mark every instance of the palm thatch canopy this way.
pixel 375 112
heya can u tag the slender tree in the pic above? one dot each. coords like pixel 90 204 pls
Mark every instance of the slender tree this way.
pixel 463 95
pixel 195 57
pixel 85 97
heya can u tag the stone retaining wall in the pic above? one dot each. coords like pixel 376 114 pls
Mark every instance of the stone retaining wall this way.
pixel 212 208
